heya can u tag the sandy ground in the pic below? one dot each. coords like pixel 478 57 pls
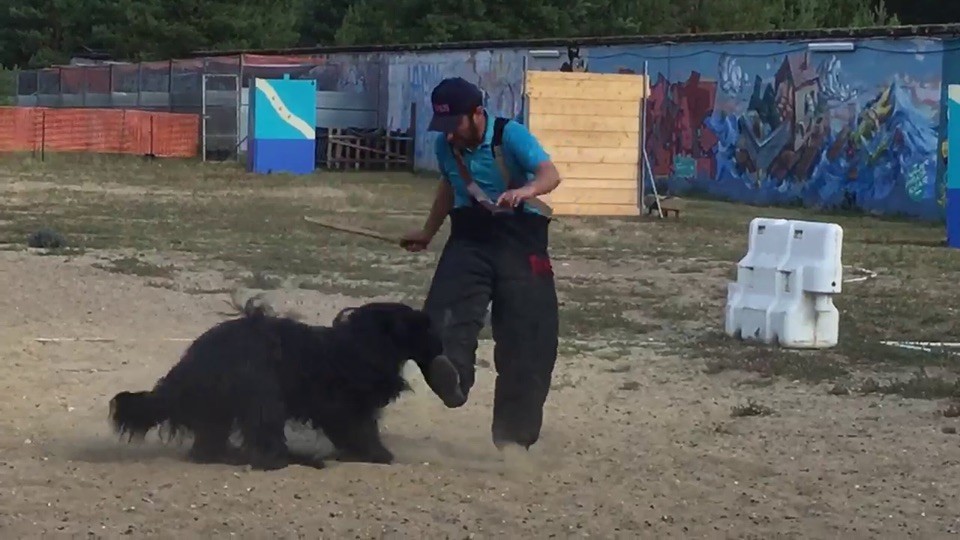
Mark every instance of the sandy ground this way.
pixel 639 447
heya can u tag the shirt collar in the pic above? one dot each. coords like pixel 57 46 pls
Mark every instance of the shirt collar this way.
pixel 487 134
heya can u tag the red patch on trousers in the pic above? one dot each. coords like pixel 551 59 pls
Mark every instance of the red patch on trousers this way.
pixel 540 265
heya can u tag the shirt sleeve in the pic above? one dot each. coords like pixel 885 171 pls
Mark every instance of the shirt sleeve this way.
pixel 524 146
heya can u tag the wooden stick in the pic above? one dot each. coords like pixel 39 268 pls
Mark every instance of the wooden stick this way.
pixel 348 143
pixel 353 230
pixel 97 340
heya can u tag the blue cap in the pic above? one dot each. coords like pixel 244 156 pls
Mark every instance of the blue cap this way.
pixel 452 99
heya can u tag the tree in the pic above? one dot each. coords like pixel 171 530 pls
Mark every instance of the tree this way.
pixel 40 32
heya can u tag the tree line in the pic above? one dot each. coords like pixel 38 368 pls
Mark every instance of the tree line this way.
pixel 37 33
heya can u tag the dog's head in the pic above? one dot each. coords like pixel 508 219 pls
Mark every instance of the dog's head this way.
pixel 411 331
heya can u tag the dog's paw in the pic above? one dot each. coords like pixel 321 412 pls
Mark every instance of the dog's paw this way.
pixel 269 463
pixel 384 457
pixel 305 460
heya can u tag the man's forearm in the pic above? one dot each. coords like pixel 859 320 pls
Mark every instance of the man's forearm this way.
pixel 545 180
pixel 442 203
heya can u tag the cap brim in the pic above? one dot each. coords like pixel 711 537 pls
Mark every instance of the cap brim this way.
pixel 443 124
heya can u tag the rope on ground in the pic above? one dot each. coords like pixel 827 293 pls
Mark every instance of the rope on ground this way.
pixel 924 346
pixel 867 274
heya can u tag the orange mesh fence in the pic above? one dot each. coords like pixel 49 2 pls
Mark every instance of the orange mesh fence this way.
pixel 105 131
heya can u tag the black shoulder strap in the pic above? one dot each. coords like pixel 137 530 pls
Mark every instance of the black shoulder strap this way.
pixel 498 126
pixel 499 123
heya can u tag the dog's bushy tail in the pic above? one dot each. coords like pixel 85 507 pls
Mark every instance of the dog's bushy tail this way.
pixel 135 413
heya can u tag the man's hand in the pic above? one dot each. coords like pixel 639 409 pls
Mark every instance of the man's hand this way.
pixel 416 240
pixel 513 197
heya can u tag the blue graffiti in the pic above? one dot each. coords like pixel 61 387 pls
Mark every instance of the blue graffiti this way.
pixel 767 126
pixel 893 148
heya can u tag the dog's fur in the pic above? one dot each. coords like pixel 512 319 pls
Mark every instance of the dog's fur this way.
pixel 256 372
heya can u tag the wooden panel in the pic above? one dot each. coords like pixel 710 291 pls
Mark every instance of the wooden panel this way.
pixel 585 139
pixel 591 183
pixel 598 171
pixel 579 154
pixel 594 107
pixel 593 196
pixel 581 76
pixel 569 209
pixel 590 125
pixel 546 84
pixel 619 92
pixel 582 123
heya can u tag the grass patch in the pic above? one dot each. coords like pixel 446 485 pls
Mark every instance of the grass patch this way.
pixel 750 408
pixel 138 267
pixel 725 354
pixel 919 386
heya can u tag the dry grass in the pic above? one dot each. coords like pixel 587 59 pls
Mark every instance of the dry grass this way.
pixel 623 283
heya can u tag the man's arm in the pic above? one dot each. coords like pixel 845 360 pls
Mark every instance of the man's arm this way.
pixel 442 203
pixel 443 200
pixel 529 153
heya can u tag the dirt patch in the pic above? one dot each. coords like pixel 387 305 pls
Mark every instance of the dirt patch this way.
pixel 657 424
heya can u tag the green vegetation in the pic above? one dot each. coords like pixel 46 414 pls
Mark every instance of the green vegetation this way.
pixel 39 33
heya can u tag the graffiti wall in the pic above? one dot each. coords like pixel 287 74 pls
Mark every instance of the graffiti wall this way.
pixel 772 123
pixel 412 77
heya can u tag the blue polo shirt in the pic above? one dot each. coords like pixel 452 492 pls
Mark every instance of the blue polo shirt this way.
pixel 522 154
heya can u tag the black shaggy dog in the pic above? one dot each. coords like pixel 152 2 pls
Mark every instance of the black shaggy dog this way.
pixel 255 372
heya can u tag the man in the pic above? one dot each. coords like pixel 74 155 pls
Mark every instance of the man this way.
pixel 496 253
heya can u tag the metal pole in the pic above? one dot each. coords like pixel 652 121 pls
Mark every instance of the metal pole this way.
pixel 169 85
pixel 140 86
pixel 524 102
pixel 43 135
pixel 643 133
pixel 239 107
pixel 236 138
pixel 203 117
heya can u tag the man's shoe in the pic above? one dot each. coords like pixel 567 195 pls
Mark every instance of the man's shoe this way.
pixel 444 380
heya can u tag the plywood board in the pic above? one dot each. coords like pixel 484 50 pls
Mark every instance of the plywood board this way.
pixel 568 209
pixel 581 154
pixel 589 123
pixel 598 171
pixel 583 76
pixel 588 183
pixel 547 84
pixel 619 92
pixel 551 139
pixel 572 195
pixel 589 107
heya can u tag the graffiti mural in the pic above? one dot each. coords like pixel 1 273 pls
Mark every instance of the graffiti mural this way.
pixel 412 78
pixel 771 123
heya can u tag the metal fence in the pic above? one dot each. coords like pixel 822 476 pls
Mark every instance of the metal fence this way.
pixel 214 89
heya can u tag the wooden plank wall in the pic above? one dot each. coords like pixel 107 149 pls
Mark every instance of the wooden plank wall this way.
pixel 590 125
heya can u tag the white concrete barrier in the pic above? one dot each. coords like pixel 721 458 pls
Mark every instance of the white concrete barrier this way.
pixel 786 283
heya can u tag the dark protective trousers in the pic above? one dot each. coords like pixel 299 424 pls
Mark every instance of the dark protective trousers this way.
pixel 501 259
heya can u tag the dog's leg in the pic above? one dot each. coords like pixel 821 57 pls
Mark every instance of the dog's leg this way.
pixel 262 425
pixel 358 440
pixel 210 444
